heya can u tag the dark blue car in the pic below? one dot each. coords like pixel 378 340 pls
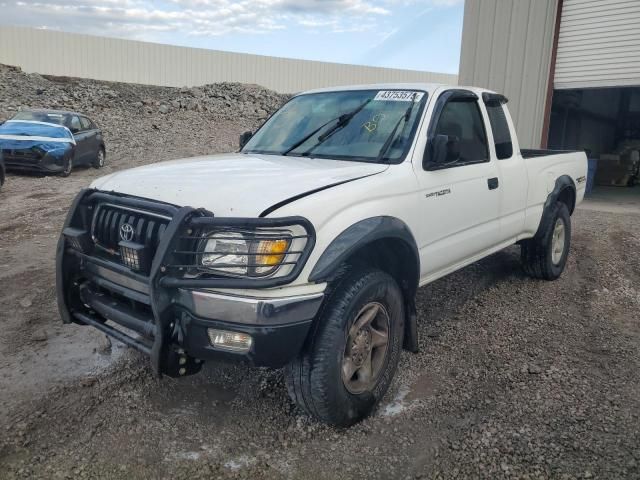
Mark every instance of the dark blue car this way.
pixel 51 141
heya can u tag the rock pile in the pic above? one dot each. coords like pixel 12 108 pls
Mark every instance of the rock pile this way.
pixel 221 100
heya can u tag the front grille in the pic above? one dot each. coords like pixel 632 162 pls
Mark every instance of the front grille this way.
pixel 147 229
pixel 25 154
pixel 25 157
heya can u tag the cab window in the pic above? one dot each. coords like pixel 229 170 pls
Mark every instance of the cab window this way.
pixel 462 119
pixel 500 128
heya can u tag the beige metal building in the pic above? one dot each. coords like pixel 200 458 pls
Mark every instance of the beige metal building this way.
pixel 571 69
pixel 507 46
pixel 68 54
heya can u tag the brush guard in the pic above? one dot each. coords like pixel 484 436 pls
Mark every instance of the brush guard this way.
pixel 145 302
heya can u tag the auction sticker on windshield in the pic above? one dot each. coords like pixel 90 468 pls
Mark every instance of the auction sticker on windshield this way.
pixel 399 96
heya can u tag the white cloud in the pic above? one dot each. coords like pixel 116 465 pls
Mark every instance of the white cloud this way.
pixel 142 18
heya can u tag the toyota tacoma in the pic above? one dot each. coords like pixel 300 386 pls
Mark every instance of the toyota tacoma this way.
pixel 305 249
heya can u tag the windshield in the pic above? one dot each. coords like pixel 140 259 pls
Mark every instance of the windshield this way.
pixel 348 125
pixel 28 129
pixel 48 117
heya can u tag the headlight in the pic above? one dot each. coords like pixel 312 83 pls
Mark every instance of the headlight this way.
pixel 247 253
pixel 55 155
pixel 239 252
pixel 230 251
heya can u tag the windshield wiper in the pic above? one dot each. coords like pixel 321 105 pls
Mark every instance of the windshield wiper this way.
pixel 342 121
pixel 392 136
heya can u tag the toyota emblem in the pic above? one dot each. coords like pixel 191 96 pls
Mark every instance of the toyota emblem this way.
pixel 126 232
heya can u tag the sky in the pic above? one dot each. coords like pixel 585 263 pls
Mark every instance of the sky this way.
pixel 410 34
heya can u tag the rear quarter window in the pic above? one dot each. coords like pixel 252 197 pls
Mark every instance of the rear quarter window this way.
pixel 501 133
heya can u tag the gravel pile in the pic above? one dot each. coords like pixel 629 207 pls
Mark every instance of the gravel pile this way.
pixel 221 100
pixel 516 378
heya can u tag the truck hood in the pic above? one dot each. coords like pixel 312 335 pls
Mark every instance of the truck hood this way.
pixel 235 184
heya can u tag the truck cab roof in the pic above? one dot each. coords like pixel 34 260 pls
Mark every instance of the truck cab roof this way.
pixel 427 87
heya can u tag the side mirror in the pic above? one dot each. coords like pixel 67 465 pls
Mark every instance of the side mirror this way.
pixel 244 138
pixel 74 130
pixel 441 149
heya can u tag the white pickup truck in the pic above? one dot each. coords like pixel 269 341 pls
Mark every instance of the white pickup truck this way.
pixel 305 249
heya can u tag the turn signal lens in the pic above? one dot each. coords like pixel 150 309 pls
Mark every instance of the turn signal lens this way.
pixel 270 254
pixel 231 341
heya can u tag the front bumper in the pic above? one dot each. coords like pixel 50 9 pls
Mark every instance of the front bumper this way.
pixel 43 164
pixel 169 316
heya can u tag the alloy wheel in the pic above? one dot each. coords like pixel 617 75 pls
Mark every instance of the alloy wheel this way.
pixel 557 242
pixel 367 343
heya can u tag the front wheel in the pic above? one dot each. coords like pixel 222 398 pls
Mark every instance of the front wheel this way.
pixel 349 362
pixel 545 255
pixel 67 166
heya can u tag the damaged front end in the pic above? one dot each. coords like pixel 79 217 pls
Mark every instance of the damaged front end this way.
pixel 36 155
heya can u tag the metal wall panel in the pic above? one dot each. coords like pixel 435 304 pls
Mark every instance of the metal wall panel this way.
pixel 67 54
pixel 506 47
pixel 599 44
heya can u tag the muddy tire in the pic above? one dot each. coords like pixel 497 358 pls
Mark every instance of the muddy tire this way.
pixel 350 358
pixel 545 255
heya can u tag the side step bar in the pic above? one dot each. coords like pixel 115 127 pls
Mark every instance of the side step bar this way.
pixel 112 332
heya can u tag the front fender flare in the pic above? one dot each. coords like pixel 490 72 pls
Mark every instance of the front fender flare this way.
pixel 364 233
pixel 357 236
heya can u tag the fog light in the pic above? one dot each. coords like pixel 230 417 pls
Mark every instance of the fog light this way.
pixel 231 341
pixel 78 239
pixel 134 256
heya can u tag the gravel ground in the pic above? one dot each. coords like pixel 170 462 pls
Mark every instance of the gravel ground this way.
pixel 516 378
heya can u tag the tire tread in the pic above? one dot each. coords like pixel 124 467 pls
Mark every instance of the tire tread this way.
pixel 535 253
pixel 306 377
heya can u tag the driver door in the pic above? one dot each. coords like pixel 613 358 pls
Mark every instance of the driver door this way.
pixel 460 198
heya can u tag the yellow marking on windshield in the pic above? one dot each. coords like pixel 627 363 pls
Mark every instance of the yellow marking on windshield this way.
pixel 372 124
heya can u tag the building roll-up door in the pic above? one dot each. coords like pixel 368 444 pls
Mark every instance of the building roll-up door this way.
pixel 599 44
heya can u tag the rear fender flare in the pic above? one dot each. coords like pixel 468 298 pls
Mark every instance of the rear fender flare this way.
pixel 563 183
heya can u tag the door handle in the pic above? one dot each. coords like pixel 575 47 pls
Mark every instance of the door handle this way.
pixel 492 183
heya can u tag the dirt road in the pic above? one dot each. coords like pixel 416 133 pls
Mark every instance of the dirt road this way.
pixel 515 377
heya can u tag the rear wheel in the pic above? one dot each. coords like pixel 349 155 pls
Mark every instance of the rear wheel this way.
pixel 100 158
pixel 545 255
pixel 349 362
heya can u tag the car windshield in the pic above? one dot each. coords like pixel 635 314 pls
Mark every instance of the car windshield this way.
pixel 48 117
pixel 30 129
pixel 359 125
